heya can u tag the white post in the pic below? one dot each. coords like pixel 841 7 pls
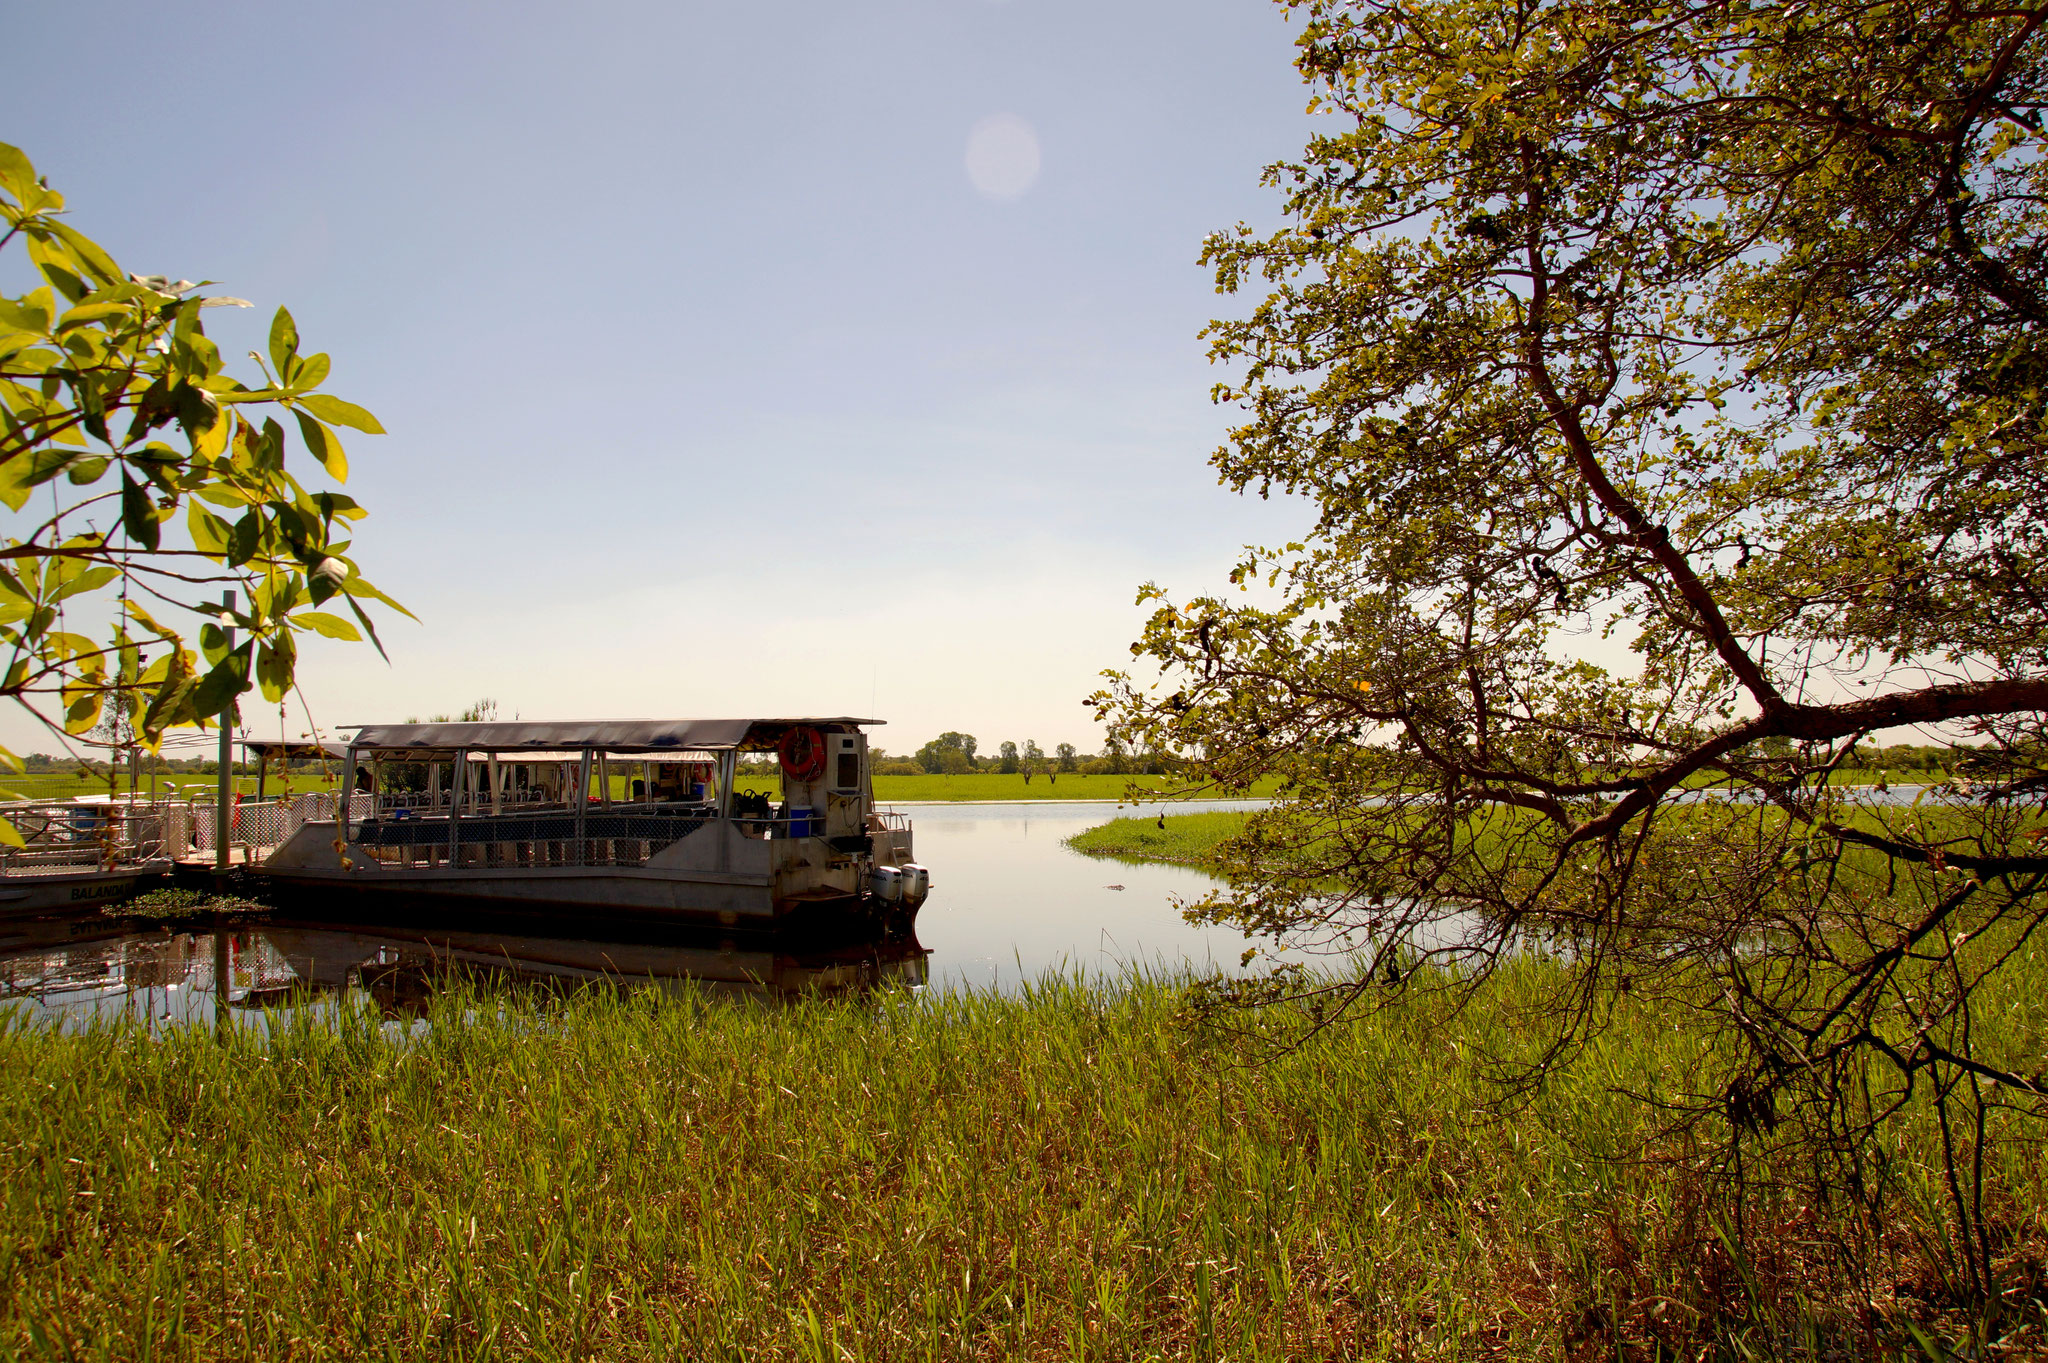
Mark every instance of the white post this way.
pixel 582 804
pixel 461 786
pixel 223 787
pixel 348 793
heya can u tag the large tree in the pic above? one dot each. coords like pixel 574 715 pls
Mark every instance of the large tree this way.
pixel 141 479
pixel 1710 331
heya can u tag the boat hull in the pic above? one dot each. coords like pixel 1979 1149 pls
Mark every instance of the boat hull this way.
pixel 713 875
pixel 46 893
pixel 615 895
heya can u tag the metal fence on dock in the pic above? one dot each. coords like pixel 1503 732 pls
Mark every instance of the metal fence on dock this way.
pixel 260 823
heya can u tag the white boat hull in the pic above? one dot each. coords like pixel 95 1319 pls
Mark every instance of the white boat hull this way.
pixel 716 878
pixel 43 893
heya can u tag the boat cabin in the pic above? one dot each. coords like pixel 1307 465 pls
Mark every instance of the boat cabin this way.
pixel 639 817
pixel 632 785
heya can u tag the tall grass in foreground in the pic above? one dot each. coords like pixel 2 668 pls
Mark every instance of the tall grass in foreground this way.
pixel 1070 1174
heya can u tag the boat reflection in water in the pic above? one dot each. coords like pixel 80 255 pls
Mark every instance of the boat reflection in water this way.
pixel 403 974
pixel 170 978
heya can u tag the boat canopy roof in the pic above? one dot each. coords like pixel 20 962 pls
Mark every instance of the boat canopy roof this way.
pixel 611 735
pixel 267 748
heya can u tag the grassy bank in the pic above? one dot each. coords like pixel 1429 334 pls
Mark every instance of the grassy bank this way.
pixel 998 787
pixel 1063 1176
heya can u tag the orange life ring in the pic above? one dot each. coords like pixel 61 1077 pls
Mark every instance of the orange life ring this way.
pixel 802 753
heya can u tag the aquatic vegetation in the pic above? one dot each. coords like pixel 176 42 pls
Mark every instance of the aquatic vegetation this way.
pixel 178 905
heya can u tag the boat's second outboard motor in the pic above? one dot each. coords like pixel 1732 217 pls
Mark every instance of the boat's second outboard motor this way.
pixel 917 883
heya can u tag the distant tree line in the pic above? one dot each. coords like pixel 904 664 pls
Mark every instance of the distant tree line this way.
pixel 958 754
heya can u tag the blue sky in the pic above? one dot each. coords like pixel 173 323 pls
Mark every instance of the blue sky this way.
pixel 718 381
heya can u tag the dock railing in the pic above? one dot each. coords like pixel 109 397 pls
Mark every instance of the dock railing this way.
pixel 257 824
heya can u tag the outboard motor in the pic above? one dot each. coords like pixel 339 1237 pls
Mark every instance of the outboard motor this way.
pixel 917 883
pixel 885 883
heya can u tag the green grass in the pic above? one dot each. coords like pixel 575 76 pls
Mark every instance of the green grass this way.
pixel 41 785
pixel 997 787
pixel 1071 1174
pixel 1186 839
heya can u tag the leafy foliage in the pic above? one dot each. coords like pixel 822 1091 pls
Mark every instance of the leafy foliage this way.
pixel 142 478
pixel 1717 324
pixel 951 753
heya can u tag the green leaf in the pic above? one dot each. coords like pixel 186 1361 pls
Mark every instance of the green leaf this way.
pixel 171 702
pixel 91 580
pixel 198 410
pixel 284 341
pixel 332 626
pixel 244 538
pixel 311 371
pixel 138 513
pixel 325 446
pixel 86 472
pixel 356 586
pixel 23 315
pixel 356 609
pixel 90 254
pixel 219 687
pixel 9 834
pixel 84 712
pixel 24 473
pixel 338 506
pixel 141 616
pixel 87 313
pixel 275 661
pixel 209 532
pixel 17 175
pixel 335 412
pixel 56 266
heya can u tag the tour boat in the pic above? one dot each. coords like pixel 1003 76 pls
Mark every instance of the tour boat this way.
pixel 620 819
pixel 79 855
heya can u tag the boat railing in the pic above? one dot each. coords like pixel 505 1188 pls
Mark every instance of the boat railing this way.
pixel 75 836
pixel 438 802
pixel 538 837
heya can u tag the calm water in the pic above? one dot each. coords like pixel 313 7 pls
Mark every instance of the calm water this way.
pixel 1009 902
